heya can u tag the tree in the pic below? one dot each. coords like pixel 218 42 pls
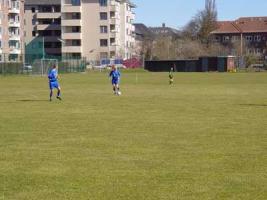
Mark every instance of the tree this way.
pixel 203 23
pixel 207 20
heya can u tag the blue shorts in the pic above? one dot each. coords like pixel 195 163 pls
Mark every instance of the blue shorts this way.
pixel 115 81
pixel 53 85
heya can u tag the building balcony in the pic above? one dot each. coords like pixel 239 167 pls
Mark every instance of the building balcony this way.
pixel 114 8
pixel 71 49
pixel 50 15
pixel 114 21
pixel 13 23
pixel 115 30
pixel 104 48
pixel 71 22
pixel 104 9
pixel 116 16
pixel 70 9
pixel 14 10
pixel 42 27
pixel 114 44
pixel 14 50
pixel 71 36
pixel 104 23
pixel 114 34
pixel 14 37
pixel 132 16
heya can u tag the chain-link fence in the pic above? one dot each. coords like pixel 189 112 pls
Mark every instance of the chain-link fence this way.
pixel 36 65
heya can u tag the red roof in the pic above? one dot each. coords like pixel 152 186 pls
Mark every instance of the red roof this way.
pixel 242 25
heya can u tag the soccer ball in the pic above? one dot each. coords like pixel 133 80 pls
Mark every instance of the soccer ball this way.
pixel 119 93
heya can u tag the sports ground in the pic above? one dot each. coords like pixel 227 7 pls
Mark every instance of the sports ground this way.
pixel 205 137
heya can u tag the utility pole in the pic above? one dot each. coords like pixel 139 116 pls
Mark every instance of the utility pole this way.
pixel 241 45
pixel 43 48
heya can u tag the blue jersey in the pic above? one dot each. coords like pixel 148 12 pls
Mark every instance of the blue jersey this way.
pixel 52 75
pixel 115 75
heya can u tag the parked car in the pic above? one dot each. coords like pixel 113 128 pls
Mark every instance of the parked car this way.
pixel 27 68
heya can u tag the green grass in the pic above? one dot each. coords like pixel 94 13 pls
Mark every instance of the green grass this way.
pixel 205 137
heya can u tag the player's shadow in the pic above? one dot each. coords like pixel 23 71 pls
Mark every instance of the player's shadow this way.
pixel 32 100
pixel 254 105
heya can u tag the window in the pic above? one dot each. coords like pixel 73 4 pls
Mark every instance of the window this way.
pixel 57 9
pixel 249 38
pixel 112 41
pixel 112 54
pixel 112 28
pixel 258 51
pixel 33 21
pixel 76 2
pixel 45 9
pixel 13 57
pixel 103 55
pixel 14 44
pixel 103 29
pixel 76 55
pixel 226 38
pixel 128 7
pixel 33 9
pixel 112 14
pixel 76 16
pixel 103 2
pixel 250 51
pixel 217 39
pixel 103 42
pixel 76 29
pixel 34 33
pixel 235 38
pixel 76 42
pixel 257 38
pixel 103 16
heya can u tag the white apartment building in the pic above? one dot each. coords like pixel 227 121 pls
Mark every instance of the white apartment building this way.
pixel 97 29
pixel 11 30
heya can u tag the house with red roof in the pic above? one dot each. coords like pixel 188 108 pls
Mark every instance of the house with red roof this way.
pixel 244 36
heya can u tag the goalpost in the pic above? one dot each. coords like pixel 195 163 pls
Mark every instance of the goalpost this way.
pixel 47 64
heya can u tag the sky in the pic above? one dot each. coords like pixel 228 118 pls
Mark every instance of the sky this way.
pixel 176 13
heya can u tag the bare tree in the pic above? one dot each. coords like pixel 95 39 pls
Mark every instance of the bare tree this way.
pixel 194 40
pixel 203 23
pixel 207 20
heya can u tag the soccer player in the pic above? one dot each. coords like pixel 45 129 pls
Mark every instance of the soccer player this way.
pixel 115 79
pixel 53 82
pixel 171 77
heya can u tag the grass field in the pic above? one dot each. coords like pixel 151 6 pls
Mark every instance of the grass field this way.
pixel 205 137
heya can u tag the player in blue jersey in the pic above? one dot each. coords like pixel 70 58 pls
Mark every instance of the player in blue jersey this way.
pixel 115 79
pixel 53 82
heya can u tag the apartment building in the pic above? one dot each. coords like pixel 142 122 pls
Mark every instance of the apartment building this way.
pixel 11 30
pixel 244 36
pixel 43 28
pixel 98 29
